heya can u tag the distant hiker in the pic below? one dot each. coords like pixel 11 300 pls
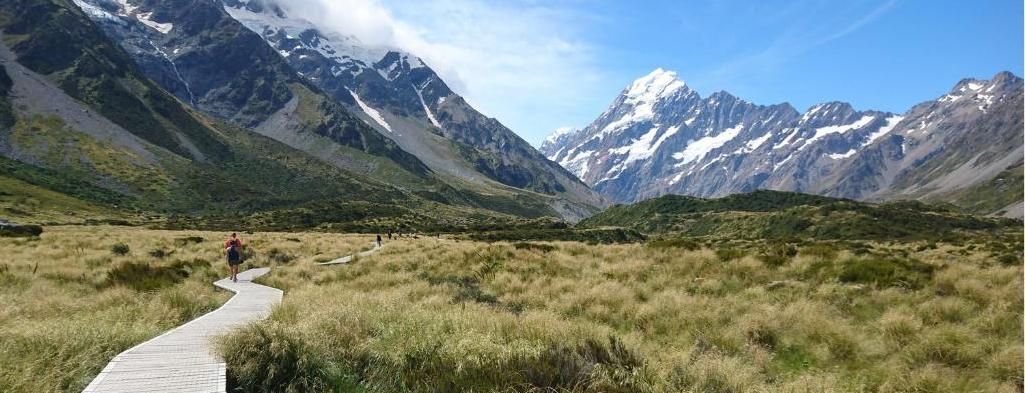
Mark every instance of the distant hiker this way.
pixel 389 235
pixel 233 248
pixel 379 240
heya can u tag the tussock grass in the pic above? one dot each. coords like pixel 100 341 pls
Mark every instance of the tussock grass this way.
pixel 437 315
pixel 70 304
pixel 443 315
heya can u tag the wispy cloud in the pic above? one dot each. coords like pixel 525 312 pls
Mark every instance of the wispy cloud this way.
pixel 857 23
pixel 809 26
pixel 511 59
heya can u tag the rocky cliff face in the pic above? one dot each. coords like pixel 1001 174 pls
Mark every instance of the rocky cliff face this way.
pixel 660 137
pixel 401 96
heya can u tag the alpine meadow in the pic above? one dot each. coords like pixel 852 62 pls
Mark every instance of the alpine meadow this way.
pixel 309 196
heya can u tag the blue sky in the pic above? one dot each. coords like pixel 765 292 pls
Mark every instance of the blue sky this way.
pixel 538 65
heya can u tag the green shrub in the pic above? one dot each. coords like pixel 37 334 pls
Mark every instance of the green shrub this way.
pixel 120 249
pixel 11 230
pixel 1009 259
pixel 160 253
pixel 276 255
pixel 146 277
pixel 884 272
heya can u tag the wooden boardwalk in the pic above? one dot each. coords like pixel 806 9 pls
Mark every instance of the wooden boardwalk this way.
pixel 182 360
pixel 348 258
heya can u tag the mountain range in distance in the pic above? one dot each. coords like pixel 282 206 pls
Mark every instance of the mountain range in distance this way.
pixel 660 137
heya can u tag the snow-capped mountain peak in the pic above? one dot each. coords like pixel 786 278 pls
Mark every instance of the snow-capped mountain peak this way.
pixel 639 102
pixel 650 88
pixel 269 20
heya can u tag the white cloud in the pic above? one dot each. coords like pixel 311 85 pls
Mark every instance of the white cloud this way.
pixel 520 62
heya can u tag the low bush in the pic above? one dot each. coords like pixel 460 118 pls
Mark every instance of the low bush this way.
pixel 885 272
pixel 120 249
pixel 12 230
pixel 160 253
pixel 276 255
pixel 1009 259
pixel 146 277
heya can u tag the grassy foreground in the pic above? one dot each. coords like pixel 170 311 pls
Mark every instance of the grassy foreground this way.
pixel 77 296
pixel 445 315
pixel 434 315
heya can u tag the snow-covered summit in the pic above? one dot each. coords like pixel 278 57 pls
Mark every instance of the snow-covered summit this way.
pixel 649 88
pixel 269 19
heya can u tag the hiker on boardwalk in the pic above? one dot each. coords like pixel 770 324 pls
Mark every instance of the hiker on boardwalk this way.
pixel 233 249
pixel 379 240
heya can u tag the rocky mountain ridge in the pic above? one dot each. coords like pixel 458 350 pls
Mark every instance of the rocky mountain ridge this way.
pixel 661 137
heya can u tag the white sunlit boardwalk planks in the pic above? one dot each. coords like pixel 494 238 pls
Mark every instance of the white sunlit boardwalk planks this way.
pixel 348 258
pixel 182 359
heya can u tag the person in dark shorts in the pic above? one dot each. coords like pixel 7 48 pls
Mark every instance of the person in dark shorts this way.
pixel 233 248
pixel 379 240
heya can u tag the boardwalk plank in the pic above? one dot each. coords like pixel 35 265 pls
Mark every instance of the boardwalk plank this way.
pixel 183 359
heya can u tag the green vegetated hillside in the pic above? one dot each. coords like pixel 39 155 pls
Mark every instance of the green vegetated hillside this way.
pixel 774 214
pixel 114 140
